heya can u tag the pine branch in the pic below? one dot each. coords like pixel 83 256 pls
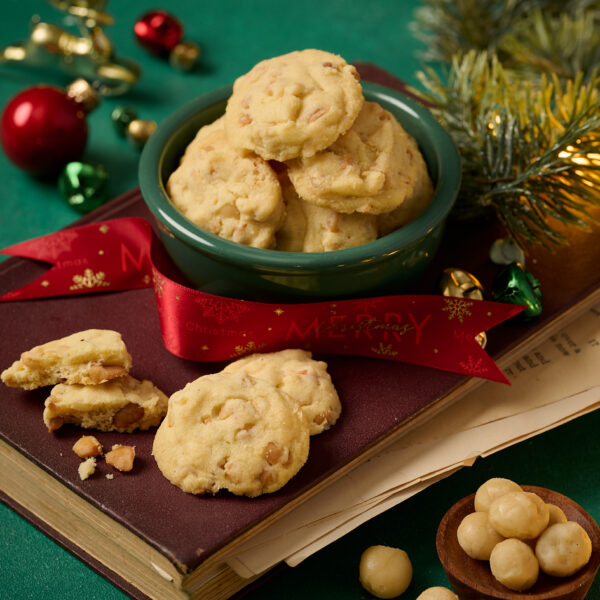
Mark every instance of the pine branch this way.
pixel 529 36
pixel 530 151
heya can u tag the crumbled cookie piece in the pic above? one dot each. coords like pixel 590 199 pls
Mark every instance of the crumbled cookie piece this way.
pixel 88 357
pixel 87 468
pixel 123 404
pixel 231 431
pixel 87 446
pixel 121 457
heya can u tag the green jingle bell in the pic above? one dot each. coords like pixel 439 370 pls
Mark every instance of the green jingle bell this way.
pixel 515 285
pixel 83 186
pixel 121 116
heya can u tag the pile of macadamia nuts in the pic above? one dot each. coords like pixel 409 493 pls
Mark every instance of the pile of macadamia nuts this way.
pixel 520 534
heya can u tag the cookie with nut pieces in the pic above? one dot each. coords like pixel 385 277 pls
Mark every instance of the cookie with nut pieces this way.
pixel 87 357
pixel 231 431
pixel 124 404
pixel 293 105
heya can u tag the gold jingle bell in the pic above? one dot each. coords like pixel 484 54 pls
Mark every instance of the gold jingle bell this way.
pixel 184 56
pixel 139 131
pixel 461 284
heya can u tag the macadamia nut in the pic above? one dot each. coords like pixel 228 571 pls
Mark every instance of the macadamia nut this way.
pixel 522 515
pixel 556 514
pixel 493 488
pixel 476 536
pixel 437 593
pixel 385 572
pixel 514 565
pixel 563 549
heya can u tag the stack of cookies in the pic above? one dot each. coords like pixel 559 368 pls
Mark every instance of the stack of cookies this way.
pixel 247 428
pixel 301 162
pixel 92 386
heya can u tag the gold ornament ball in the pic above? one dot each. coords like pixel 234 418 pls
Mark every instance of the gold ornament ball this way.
pixel 184 56
pixel 139 132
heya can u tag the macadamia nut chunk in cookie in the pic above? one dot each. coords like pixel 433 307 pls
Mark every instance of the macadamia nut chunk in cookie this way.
pixel 231 431
pixel 304 379
pixel 232 194
pixel 124 404
pixel 88 357
pixel 293 105
pixel 373 168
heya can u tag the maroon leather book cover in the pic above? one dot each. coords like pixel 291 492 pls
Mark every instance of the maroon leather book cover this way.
pixel 378 396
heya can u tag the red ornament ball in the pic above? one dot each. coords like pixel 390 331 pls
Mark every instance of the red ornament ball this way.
pixel 43 129
pixel 158 31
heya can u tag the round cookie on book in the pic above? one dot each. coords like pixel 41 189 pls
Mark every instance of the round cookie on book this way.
pixel 293 105
pixel 231 431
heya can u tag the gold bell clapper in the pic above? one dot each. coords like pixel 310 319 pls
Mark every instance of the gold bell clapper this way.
pixel 457 283
pixel 88 53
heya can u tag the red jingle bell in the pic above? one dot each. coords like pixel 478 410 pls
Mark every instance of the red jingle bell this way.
pixel 158 31
pixel 42 129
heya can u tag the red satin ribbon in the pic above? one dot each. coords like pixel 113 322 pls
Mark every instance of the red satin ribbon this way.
pixel 434 331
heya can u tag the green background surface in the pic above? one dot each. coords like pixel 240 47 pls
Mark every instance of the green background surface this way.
pixel 234 35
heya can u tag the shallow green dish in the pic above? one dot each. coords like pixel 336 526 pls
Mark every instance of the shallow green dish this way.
pixel 390 264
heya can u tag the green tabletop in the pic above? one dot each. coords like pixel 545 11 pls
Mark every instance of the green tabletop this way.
pixel 234 35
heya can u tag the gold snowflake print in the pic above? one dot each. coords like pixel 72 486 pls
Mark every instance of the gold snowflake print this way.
pixel 457 308
pixel 386 350
pixel 159 284
pixel 104 229
pixel 249 348
pixel 89 280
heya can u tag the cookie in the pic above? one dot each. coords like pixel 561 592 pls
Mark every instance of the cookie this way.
pixel 311 228
pixel 297 374
pixel 233 195
pixel 231 431
pixel 370 169
pixel 293 105
pixel 87 357
pixel 122 404
pixel 418 201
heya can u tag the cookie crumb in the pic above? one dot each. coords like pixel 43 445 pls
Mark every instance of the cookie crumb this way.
pixel 87 468
pixel 121 457
pixel 109 476
pixel 87 446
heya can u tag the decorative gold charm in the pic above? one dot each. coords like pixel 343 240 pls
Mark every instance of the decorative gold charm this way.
pixel 139 131
pixel 457 283
pixel 89 55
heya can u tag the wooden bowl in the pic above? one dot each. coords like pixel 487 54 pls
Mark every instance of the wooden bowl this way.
pixel 473 580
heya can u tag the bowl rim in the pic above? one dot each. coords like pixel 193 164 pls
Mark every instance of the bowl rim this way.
pixel 155 195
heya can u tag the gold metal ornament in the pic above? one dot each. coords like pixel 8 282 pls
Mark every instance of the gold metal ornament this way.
pixel 461 284
pixel 88 54
pixel 139 131
pixel 184 56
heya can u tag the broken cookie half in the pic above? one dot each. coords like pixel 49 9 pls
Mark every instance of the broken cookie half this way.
pixel 88 357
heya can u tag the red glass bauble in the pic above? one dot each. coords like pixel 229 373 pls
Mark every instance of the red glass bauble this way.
pixel 158 31
pixel 43 129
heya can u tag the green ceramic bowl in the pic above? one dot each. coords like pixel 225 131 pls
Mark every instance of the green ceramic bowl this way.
pixel 391 264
